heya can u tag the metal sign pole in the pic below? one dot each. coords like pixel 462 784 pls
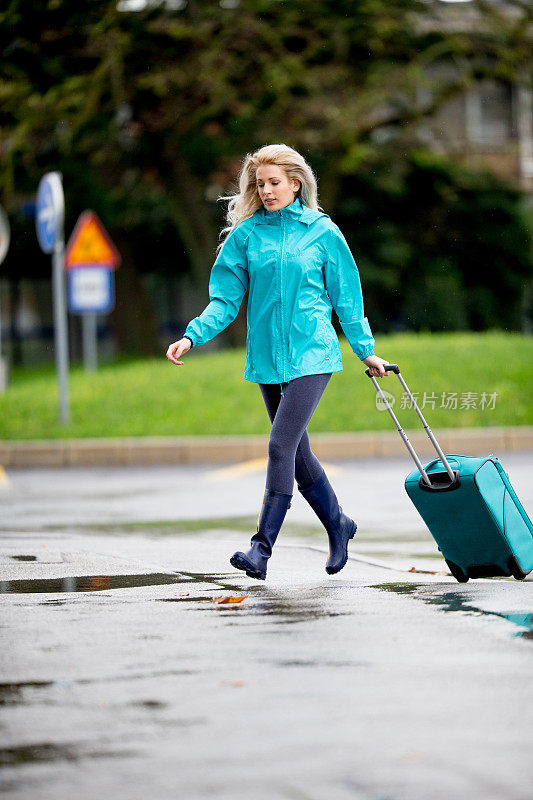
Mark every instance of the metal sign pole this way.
pixel 4 247
pixel 49 224
pixel 89 341
pixel 60 327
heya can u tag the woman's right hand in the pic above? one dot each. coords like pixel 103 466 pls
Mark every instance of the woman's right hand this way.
pixel 376 364
pixel 178 349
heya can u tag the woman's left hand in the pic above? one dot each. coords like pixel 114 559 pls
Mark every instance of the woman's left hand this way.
pixel 376 366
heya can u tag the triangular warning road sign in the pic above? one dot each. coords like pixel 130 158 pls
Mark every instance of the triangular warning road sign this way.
pixel 90 245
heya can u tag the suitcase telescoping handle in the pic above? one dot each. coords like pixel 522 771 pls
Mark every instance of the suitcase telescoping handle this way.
pixel 395 368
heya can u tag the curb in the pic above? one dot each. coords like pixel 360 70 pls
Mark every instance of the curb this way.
pixel 146 450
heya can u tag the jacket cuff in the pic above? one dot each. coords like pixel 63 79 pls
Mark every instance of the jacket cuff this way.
pixel 367 351
pixel 186 336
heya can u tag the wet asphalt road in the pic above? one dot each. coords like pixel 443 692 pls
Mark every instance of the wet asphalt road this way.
pixel 122 678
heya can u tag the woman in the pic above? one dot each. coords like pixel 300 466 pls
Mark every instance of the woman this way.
pixel 297 266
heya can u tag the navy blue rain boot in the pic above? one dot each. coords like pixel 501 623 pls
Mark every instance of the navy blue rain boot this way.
pixel 254 561
pixel 339 527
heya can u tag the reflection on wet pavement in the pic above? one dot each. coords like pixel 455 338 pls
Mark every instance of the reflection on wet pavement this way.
pixel 283 607
pixel 11 693
pixel 24 692
pixel 89 583
pixel 30 754
pixel 24 558
pixel 458 602
pixel 285 612
pixel 316 663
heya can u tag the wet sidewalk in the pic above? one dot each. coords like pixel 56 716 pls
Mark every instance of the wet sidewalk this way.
pixel 121 677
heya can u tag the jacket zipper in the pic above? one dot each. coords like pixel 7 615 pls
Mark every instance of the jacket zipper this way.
pixel 281 301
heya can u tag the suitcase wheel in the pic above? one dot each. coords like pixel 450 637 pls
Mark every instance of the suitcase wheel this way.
pixel 515 569
pixel 457 572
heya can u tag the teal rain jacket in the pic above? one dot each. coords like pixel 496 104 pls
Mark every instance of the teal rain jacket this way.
pixel 298 267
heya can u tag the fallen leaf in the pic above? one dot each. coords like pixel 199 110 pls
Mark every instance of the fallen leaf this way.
pixel 230 599
pixel 423 571
pixel 185 594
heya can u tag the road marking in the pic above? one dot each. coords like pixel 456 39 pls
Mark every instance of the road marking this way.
pixel 255 465
pixel 4 480
pixel 243 468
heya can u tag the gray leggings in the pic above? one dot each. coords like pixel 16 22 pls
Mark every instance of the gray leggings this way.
pixel 289 451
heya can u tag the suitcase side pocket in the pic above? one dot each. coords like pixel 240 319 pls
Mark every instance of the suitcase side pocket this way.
pixel 508 514
pixel 505 478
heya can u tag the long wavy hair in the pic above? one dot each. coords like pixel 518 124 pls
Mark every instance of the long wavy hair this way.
pixel 242 205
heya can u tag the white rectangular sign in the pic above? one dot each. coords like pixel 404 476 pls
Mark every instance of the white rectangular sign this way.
pixel 90 289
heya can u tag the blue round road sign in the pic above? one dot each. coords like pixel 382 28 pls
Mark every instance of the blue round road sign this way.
pixel 49 211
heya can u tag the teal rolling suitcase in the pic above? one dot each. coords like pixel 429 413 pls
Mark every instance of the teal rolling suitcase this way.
pixel 469 506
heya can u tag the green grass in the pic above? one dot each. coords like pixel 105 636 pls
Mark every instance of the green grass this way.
pixel 208 395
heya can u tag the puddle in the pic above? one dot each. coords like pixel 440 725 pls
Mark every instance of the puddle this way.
pixel 284 612
pixel 24 558
pixel 30 754
pixel 137 676
pixel 316 663
pixel 96 583
pixel 90 583
pixel 283 609
pixel 197 599
pixel 154 704
pixel 11 693
pixel 24 692
pixel 459 602
pixel 524 621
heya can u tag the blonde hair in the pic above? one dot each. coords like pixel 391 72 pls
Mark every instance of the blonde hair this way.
pixel 242 205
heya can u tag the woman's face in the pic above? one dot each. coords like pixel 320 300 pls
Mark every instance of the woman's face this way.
pixel 275 189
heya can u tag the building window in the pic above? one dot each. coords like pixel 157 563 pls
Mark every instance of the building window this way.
pixel 489 114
